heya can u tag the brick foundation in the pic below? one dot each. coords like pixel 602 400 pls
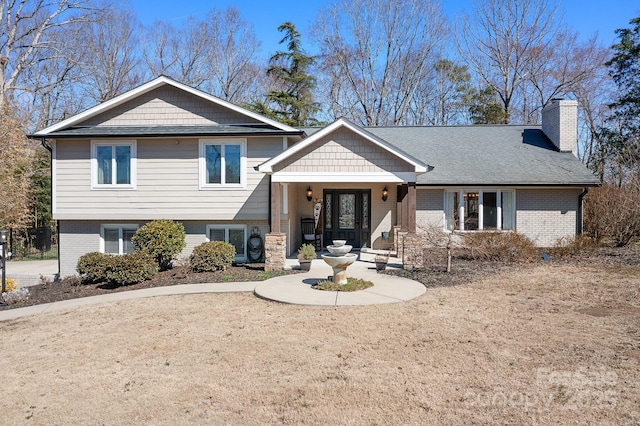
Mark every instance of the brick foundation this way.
pixel 412 251
pixel 275 250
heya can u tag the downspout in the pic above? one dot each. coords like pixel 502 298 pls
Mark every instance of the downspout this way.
pixel 43 142
pixel 581 209
pixel 269 207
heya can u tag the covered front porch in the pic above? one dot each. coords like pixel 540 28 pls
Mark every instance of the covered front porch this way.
pixel 367 215
pixel 355 187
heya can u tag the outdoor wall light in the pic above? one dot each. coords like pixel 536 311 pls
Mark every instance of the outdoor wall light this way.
pixel 385 194
pixel 309 193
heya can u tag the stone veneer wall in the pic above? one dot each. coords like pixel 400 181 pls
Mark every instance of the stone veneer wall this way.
pixel 412 251
pixel 275 250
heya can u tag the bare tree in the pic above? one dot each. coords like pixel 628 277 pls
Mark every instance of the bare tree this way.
pixel 375 54
pixel 25 41
pixel 106 51
pixel 232 56
pixel 178 52
pixel 503 40
pixel 217 54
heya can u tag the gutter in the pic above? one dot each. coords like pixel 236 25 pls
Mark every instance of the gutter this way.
pixel 43 142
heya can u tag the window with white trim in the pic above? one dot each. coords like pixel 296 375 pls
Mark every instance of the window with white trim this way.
pixel 116 239
pixel 113 164
pixel 477 210
pixel 223 163
pixel 236 235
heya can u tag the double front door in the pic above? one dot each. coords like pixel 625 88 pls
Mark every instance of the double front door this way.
pixel 347 216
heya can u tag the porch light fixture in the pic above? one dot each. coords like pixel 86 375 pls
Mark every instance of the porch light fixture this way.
pixel 3 242
pixel 309 193
pixel 385 194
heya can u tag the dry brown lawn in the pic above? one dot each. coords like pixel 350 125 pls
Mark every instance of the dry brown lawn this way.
pixel 546 344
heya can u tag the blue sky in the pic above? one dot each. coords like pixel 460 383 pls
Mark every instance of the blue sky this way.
pixel 585 16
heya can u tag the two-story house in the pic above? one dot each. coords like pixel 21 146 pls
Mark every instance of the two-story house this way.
pixel 166 150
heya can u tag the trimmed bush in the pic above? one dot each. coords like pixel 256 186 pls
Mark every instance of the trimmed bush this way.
pixel 93 267
pixel 500 246
pixel 131 268
pixel 163 239
pixel 212 256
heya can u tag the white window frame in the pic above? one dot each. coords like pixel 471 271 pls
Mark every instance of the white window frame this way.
pixel 133 165
pixel 480 192
pixel 203 164
pixel 226 227
pixel 121 227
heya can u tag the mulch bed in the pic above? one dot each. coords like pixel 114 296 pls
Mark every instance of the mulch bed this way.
pixel 67 289
pixel 464 270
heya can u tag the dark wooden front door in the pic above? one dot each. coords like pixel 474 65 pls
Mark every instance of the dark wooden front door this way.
pixel 347 216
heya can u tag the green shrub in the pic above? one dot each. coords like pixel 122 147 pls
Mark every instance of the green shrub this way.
pixel 212 256
pixel 307 252
pixel 92 267
pixel 131 268
pixel 162 239
pixel 500 246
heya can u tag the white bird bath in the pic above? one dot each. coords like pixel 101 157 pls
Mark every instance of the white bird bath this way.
pixel 339 260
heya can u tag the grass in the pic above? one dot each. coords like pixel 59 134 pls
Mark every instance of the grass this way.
pixel 353 284
pixel 546 344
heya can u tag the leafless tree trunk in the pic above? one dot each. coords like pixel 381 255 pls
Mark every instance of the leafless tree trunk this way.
pixel 107 55
pixel 375 54
pixel 177 52
pixel 217 54
pixel 503 40
pixel 232 56
pixel 25 29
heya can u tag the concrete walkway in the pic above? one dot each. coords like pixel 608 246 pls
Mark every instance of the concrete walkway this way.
pixel 294 289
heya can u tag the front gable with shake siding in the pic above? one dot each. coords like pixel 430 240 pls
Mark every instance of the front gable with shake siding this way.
pixel 167 151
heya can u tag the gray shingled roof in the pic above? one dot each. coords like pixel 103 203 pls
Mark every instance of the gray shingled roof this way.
pixel 158 131
pixel 486 155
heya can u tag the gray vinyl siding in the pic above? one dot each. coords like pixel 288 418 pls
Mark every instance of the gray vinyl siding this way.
pixel 429 208
pixel 165 106
pixel 167 184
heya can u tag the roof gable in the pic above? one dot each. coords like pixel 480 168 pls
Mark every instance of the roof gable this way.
pixel 293 154
pixel 186 104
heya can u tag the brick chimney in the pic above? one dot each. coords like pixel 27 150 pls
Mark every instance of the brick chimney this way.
pixel 560 124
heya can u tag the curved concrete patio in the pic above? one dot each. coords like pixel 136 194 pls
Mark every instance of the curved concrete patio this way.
pixel 386 288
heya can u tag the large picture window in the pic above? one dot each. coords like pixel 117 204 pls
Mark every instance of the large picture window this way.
pixel 222 164
pixel 113 164
pixel 236 235
pixel 474 210
pixel 116 239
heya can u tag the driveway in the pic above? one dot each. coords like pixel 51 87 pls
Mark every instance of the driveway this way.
pixel 27 272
